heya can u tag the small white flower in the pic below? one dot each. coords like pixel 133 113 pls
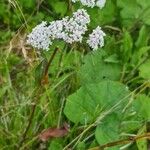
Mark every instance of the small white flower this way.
pixel 74 1
pixel 81 17
pixel 55 29
pixel 100 3
pixel 92 3
pixel 39 37
pixel 88 3
pixel 96 38
pixel 76 26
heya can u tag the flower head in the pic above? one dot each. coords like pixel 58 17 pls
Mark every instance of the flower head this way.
pixel 76 26
pixel 39 37
pixel 88 3
pixel 100 3
pixel 92 3
pixel 69 29
pixel 96 38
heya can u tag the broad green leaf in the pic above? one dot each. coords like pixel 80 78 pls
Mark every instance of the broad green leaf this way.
pixel 142 143
pixel 108 130
pixel 142 107
pixel 144 70
pixel 89 101
pixel 96 69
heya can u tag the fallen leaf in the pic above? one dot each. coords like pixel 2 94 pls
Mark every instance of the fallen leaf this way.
pixel 54 133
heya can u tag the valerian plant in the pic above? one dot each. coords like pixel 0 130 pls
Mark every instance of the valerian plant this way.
pixel 92 78
pixel 104 105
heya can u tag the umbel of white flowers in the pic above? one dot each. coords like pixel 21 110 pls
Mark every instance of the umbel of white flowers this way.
pixel 68 29
pixel 92 3
pixel 96 38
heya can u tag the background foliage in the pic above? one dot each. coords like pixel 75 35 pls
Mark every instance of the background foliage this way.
pixel 103 95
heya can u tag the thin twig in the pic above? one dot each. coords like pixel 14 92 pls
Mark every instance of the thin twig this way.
pixel 38 91
pixel 44 80
pixel 29 121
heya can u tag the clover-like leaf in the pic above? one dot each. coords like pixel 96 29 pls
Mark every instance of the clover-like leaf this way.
pixel 90 100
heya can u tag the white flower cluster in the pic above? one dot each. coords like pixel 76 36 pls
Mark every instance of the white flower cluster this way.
pixel 69 29
pixel 39 37
pixel 75 27
pixel 92 3
pixel 96 38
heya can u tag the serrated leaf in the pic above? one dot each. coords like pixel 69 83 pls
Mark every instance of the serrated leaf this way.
pixel 90 100
pixel 95 69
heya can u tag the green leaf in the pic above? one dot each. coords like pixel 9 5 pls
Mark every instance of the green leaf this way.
pixel 130 11
pixel 142 106
pixel 143 3
pixel 103 16
pixel 144 70
pixel 108 130
pixel 96 69
pixel 39 70
pixel 112 59
pixel 60 7
pixel 143 37
pixel 145 16
pixel 134 11
pixel 55 145
pixel 89 101
pixel 127 46
pixel 139 54
pixel 81 146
